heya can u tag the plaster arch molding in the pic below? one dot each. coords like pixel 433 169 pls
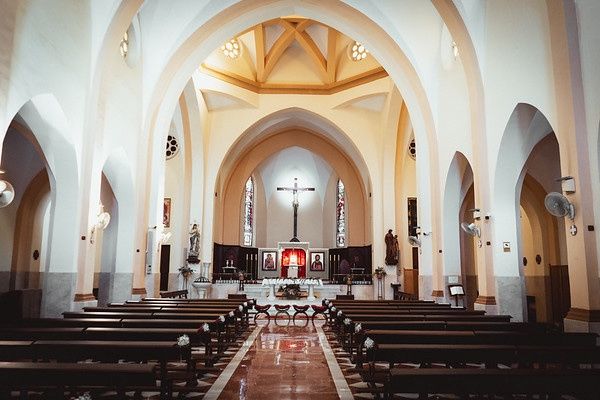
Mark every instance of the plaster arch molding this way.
pixel 232 177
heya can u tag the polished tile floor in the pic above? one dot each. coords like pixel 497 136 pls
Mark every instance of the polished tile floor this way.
pixel 284 362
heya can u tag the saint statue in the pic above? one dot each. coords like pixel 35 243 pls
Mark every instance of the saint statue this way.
pixel 194 250
pixel 396 250
pixel 389 249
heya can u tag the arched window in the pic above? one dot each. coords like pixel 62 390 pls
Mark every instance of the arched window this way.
pixel 340 215
pixel 249 212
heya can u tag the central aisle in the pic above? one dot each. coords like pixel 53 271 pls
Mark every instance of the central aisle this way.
pixel 284 362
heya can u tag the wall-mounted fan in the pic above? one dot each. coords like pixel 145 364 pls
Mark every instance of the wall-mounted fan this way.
pixel 414 241
pixel 7 193
pixel 559 206
pixel 471 229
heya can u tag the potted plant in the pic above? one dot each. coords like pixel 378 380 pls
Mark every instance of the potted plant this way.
pixel 379 272
pixel 185 271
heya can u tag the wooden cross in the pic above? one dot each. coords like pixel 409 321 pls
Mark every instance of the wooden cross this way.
pixel 295 189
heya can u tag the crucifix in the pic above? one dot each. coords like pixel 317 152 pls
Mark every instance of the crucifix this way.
pixel 295 189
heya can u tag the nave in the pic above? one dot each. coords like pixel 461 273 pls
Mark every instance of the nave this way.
pixel 162 348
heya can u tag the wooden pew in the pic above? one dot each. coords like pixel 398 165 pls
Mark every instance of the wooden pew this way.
pixel 197 337
pixel 456 355
pixel 174 294
pixel 380 337
pixel 575 339
pixel 113 351
pixel 54 377
pixel 580 383
pixel 41 333
pixel 15 350
pixel 69 322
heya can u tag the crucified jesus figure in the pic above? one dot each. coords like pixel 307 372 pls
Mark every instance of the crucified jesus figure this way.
pixel 295 189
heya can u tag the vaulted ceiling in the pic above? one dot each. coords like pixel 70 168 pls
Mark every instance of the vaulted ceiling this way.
pixel 293 55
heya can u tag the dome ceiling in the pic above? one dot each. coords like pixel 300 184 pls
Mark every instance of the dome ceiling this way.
pixel 292 55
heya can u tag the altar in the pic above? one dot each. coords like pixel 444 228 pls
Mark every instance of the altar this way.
pixel 310 283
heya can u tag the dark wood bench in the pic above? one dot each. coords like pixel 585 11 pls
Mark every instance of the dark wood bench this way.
pixel 457 355
pixel 197 337
pixel 41 333
pixel 174 293
pixel 52 378
pixel 380 337
pixel 580 383
pixel 68 322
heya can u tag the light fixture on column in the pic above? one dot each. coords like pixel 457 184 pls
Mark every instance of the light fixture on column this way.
pixel 102 221
pixel 567 184
pixel 476 213
pixel 472 228
pixel 455 51
pixel 7 192
pixel 414 240
pixel 164 238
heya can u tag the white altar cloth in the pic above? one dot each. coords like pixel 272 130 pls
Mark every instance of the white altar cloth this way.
pixel 310 282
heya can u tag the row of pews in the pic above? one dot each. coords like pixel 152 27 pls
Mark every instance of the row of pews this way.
pixel 153 344
pixel 425 348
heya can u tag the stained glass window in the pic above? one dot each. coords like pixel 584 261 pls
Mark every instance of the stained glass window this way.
pixel 340 215
pixel 249 212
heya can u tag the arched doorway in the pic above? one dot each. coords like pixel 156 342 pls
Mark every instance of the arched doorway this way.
pixel 26 219
pixel 106 246
pixel 542 241
pixel 460 265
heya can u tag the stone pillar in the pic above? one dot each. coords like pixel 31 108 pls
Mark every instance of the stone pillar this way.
pixel 572 132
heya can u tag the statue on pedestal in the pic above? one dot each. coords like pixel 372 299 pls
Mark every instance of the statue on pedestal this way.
pixel 391 248
pixel 194 250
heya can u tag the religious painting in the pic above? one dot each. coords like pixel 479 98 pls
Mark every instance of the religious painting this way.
pixel 269 261
pixel 167 212
pixel 316 261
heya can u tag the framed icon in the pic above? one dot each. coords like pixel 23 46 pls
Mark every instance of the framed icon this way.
pixel 316 261
pixel 269 261
pixel 167 212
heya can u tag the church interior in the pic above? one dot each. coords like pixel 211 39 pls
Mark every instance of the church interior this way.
pixel 299 198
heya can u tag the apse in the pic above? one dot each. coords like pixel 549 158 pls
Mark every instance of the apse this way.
pixel 316 208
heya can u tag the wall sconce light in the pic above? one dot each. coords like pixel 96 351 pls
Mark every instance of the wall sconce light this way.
pixel 7 193
pixel 102 221
pixel 164 238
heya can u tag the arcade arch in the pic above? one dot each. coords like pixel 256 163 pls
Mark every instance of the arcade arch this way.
pixel 42 124
pixel 231 182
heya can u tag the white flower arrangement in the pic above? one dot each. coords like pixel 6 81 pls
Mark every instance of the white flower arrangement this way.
pixel 85 396
pixel 183 340
pixel 357 328
pixel 347 321
pixel 241 308
pixel 369 343
pixel 205 327
pixel 221 318
pixel 231 314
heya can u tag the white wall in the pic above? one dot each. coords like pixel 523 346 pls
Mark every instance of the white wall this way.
pixel 280 171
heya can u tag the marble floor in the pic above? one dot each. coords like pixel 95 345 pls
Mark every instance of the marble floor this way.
pixel 284 362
